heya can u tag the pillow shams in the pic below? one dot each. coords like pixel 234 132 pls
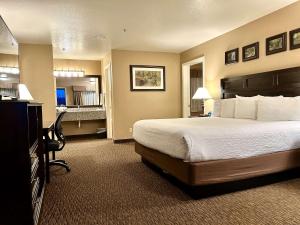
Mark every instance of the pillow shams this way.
pixel 278 109
pixel 217 108
pixel 245 108
pixel 228 108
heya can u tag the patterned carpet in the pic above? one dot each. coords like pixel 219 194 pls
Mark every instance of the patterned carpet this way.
pixel 109 185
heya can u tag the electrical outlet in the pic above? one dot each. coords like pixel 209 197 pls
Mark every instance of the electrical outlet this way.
pixel 130 129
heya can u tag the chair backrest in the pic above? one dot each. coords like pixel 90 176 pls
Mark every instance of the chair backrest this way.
pixel 58 130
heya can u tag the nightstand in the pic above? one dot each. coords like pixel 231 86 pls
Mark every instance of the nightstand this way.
pixel 201 115
pixel 204 115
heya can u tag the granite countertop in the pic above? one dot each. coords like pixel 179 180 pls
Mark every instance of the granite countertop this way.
pixel 75 114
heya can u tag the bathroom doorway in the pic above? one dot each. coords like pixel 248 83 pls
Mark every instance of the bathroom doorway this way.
pixel 196 81
pixel 193 73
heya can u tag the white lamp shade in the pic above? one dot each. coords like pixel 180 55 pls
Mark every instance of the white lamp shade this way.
pixel 24 93
pixel 201 93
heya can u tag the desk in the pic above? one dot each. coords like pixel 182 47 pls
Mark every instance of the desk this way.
pixel 48 126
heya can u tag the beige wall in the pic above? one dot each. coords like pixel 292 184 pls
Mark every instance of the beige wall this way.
pixel 280 21
pixel 36 71
pixel 91 67
pixel 8 60
pixel 130 107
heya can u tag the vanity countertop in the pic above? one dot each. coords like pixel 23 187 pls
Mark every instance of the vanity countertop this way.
pixel 76 114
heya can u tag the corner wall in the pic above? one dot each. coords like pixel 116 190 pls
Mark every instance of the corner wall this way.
pixel 36 71
pixel 9 60
pixel 283 20
pixel 128 106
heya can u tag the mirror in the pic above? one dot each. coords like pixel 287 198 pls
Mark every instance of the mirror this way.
pixel 78 91
pixel 9 70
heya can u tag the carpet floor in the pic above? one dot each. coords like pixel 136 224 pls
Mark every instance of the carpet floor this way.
pixel 109 185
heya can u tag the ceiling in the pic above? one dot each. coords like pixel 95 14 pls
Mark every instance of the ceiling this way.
pixel 86 29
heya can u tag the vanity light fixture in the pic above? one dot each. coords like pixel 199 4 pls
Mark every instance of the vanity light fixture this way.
pixel 3 75
pixel 68 73
pixel 10 70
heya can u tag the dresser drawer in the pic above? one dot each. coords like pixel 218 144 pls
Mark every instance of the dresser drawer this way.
pixel 35 191
pixel 34 167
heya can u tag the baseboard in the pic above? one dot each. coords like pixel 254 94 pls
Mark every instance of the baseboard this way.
pixel 119 141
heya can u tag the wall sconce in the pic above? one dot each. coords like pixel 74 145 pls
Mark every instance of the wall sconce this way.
pixel 68 73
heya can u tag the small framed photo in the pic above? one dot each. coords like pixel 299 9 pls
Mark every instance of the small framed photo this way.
pixel 232 56
pixel 295 39
pixel 147 78
pixel 251 52
pixel 276 44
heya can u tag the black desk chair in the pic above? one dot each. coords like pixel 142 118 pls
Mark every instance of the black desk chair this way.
pixel 59 144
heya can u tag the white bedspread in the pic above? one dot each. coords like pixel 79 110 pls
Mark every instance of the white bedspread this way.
pixel 200 139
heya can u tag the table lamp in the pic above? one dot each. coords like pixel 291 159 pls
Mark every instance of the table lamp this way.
pixel 202 94
pixel 24 93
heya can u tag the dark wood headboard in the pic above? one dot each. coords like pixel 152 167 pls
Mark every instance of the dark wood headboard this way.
pixel 284 82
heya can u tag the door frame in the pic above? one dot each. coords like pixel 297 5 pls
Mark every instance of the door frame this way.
pixel 186 81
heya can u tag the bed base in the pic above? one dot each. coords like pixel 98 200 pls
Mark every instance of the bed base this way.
pixel 205 191
pixel 209 178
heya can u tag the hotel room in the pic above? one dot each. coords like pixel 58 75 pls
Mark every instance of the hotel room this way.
pixel 149 112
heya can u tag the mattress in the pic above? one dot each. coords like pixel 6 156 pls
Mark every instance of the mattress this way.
pixel 212 138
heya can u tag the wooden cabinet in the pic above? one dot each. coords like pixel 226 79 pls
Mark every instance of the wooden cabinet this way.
pixel 22 171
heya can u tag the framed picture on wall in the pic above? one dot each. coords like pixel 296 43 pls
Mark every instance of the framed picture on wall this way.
pixel 295 39
pixel 251 52
pixel 147 78
pixel 232 56
pixel 276 44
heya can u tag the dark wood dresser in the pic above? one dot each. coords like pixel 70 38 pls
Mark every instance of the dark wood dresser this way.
pixel 22 170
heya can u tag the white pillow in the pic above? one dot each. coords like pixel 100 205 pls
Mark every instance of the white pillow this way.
pixel 269 97
pixel 278 109
pixel 228 108
pixel 294 104
pixel 245 108
pixel 244 97
pixel 217 108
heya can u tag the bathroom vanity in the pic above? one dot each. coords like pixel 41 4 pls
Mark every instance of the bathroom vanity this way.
pixel 80 97
pixel 83 121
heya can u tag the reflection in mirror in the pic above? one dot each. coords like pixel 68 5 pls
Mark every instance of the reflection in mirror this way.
pixel 78 91
pixel 9 71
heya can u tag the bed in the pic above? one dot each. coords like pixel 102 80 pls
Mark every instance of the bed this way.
pixel 184 148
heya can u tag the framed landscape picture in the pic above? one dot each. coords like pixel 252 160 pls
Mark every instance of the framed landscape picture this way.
pixel 232 56
pixel 295 39
pixel 276 44
pixel 147 78
pixel 251 52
